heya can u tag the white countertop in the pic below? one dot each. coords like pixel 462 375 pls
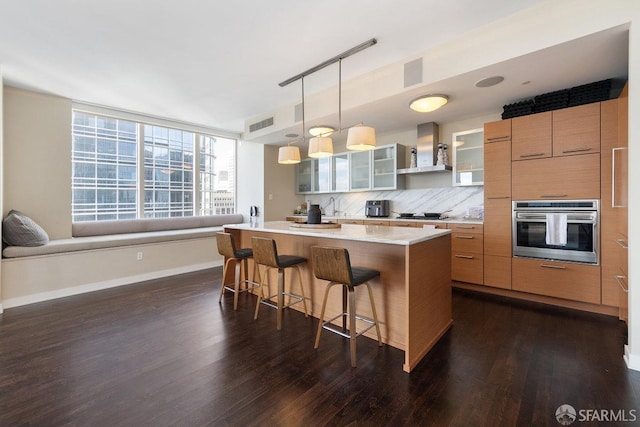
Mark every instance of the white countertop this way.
pixel 365 233
pixel 393 218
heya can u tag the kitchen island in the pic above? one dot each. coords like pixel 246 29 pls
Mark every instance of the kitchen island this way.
pixel 412 294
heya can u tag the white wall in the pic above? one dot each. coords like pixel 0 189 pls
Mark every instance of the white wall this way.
pixel 37 159
pixel 1 169
pixel 250 178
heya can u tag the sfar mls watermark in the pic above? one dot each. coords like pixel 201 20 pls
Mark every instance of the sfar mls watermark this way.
pixel 567 415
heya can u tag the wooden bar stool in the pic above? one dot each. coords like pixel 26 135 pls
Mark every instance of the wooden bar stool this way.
pixel 265 253
pixel 227 248
pixel 333 264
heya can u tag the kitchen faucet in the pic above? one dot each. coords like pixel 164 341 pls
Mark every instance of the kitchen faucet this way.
pixel 332 201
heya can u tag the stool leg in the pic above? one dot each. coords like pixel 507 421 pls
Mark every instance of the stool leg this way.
pixel 324 305
pixel 304 298
pixel 260 292
pixel 236 286
pixel 375 314
pixel 245 267
pixel 344 308
pixel 224 274
pixel 352 325
pixel 280 298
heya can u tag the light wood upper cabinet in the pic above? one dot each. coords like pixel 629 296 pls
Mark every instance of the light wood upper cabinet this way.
pixel 557 178
pixel 497 131
pixel 576 130
pixel 497 170
pixel 531 136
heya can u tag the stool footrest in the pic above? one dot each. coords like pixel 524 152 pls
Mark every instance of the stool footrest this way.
pixel 253 284
pixel 333 328
pixel 267 300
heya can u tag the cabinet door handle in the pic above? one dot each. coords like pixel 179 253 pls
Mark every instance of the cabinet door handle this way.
pixel 466 227
pixel 548 196
pixel 619 280
pixel 464 237
pixel 499 197
pixel 556 267
pixel 613 177
pixel 531 155
pixel 464 256
pixel 576 150
pixel 497 138
pixel 622 243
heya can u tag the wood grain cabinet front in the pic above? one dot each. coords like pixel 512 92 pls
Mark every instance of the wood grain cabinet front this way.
pixel 467 261
pixel 576 282
pixel 531 136
pixel 576 130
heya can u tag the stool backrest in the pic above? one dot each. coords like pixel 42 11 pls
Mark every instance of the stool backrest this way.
pixel 265 251
pixel 332 264
pixel 226 247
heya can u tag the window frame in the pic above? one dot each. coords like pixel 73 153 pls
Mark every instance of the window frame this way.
pixel 199 133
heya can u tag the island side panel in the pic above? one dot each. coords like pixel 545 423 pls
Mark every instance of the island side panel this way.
pixel 428 293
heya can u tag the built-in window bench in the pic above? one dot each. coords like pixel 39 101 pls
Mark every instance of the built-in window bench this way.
pixel 110 253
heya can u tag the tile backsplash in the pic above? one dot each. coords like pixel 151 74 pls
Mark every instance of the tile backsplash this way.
pixel 456 199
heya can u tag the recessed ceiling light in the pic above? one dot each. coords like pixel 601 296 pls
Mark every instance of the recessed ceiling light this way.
pixel 526 83
pixel 489 81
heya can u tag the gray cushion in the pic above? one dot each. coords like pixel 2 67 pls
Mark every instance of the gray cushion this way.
pixel 20 230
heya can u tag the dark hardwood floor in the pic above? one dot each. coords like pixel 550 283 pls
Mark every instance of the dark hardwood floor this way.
pixel 165 353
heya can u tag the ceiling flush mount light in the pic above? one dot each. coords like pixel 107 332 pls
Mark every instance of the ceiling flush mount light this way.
pixel 489 81
pixel 321 130
pixel 428 103
pixel 361 138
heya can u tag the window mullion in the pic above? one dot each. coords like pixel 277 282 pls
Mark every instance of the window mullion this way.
pixel 140 171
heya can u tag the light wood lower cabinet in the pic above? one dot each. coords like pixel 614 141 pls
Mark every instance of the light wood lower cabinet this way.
pixel 467 261
pixel 350 221
pixel 497 271
pixel 557 178
pixel 577 282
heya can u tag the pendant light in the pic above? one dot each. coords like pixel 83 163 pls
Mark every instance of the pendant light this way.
pixel 359 137
pixel 291 155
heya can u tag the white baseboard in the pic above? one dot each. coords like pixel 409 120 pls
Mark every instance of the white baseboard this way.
pixel 632 360
pixel 90 287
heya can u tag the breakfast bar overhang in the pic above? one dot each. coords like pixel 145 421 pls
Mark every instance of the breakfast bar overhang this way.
pixel 412 294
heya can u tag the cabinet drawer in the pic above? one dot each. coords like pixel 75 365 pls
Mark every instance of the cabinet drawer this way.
pixel 405 224
pixel 575 282
pixel 466 267
pixel 375 222
pixel 568 177
pixel 466 242
pixel 576 130
pixel 350 221
pixel 497 271
pixel 465 228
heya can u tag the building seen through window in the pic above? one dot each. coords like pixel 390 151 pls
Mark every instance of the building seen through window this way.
pixel 126 170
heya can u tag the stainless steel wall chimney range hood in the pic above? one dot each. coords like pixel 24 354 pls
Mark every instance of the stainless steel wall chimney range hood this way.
pixel 427 147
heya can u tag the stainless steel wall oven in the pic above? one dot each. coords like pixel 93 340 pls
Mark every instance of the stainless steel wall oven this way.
pixel 557 230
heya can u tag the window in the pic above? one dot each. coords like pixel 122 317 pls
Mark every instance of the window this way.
pixel 124 169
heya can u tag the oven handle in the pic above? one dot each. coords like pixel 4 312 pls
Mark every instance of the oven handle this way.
pixel 577 217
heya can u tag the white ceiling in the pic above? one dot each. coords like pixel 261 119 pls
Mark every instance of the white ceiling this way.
pixel 219 63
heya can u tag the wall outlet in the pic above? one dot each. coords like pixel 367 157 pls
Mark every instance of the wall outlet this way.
pixel 139 256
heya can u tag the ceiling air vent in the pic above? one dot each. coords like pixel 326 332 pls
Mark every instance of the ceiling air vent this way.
pixel 261 124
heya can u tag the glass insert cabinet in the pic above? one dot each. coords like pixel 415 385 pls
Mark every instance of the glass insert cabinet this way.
pixel 468 157
pixel 352 171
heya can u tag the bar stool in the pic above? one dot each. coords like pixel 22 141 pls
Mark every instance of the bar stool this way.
pixel 227 248
pixel 265 253
pixel 333 264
